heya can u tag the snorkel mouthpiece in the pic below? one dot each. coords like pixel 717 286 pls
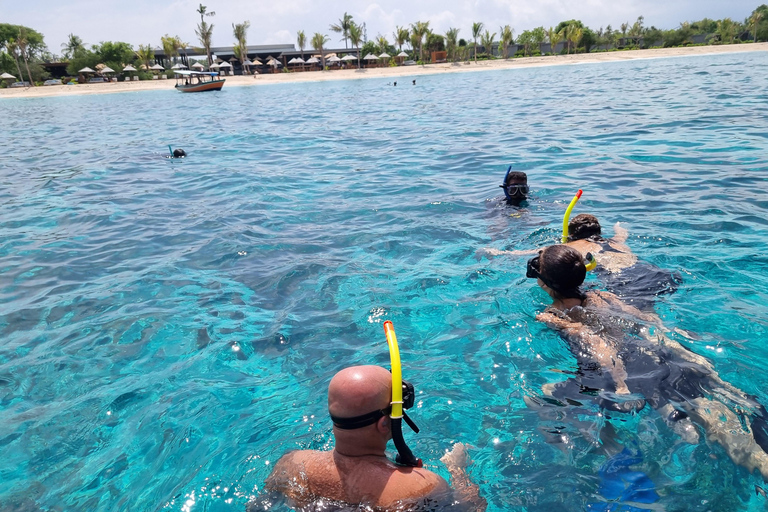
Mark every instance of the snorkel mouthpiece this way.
pixel 590 263
pixel 405 457
pixel 567 216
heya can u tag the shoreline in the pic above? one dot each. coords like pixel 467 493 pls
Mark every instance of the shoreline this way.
pixel 390 72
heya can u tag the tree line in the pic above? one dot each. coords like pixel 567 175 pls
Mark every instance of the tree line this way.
pixel 23 50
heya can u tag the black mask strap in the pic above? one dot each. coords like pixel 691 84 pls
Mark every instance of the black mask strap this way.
pixel 359 421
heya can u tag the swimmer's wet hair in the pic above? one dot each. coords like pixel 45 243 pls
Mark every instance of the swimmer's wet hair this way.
pixel 564 268
pixel 517 176
pixel 583 226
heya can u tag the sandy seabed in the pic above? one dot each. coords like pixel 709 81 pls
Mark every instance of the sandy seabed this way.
pixel 406 72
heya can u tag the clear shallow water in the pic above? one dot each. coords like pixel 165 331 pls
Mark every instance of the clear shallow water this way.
pixel 169 327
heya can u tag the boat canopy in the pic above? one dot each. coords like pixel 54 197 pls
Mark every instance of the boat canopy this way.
pixel 184 72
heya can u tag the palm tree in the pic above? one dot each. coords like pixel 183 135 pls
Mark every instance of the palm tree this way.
pixel 506 38
pixel 72 46
pixel 418 31
pixel 13 50
pixel 23 43
pixel 145 54
pixel 181 45
pixel 169 46
pixel 318 42
pixel 451 42
pixel 486 40
pixel 755 19
pixel 572 34
pixel 624 27
pixel 382 42
pixel 301 41
pixel 356 37
pixel 477 28
pixel 554 39
pixel 343 27
pixel 725 27
pixel 240 31
pixel 401 37
pixel 204 31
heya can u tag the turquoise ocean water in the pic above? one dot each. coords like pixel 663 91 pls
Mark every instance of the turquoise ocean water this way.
pixel 169 327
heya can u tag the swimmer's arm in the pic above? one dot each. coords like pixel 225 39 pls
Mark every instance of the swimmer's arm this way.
pixel 468 492
pixel 490 251
pixel 602 352
pixel 620 234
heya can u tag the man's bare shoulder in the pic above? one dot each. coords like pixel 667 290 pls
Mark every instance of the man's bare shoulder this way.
pixel 413 483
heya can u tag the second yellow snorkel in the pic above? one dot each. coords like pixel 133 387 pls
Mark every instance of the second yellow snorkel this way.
pixel 567 216
pixel 405 456
pixel 591 262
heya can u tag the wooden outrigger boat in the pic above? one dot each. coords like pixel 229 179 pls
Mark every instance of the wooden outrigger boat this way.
pixel 198 81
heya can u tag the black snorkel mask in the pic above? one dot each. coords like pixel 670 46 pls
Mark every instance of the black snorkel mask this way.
pixel 355 422
pixel 403 397
pixel 533 271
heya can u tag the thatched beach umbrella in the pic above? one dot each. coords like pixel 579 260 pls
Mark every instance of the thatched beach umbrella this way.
pixel 197 65
pixel 128 69
pixel 402 54
pixel 385 55
pixel 7 76
pixel 349 57
pixel 178 65
pixel 86 70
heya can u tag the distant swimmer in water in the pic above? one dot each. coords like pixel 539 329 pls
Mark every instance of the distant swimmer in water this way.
pixel 626 359
pixel 357 473
pixel 515 186
pixel 179 153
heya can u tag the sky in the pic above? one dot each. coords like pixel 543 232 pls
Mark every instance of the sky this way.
pixel 276 22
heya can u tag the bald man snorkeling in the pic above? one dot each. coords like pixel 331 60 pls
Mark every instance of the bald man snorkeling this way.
pixel 357 471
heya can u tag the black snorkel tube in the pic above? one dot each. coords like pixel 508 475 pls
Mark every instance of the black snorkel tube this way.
pixel 504 184
pixel 404 455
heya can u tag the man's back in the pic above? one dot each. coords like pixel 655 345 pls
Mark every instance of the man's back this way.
pixel 304 476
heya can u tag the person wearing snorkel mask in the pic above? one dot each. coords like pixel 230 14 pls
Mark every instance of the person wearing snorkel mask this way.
pixel 626 359
pixel 515 187
pixel 357 471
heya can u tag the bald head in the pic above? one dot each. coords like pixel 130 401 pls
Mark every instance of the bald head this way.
pixel 358 390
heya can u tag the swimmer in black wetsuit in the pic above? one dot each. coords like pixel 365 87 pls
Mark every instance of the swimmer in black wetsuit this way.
pixel 637 283
pixel 625 360
pixel 619 270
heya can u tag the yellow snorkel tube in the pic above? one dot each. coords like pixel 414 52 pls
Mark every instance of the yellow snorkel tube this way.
pixel 567 216
pixel 405 456
pixel 590 262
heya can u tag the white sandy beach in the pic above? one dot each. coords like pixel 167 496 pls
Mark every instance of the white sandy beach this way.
pixel 389 72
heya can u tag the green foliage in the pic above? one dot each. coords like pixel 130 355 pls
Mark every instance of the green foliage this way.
pixel 34 38
pixel 563 24
pixel 83 59
pixel 117 53
pixel 368 47
pixel 435 43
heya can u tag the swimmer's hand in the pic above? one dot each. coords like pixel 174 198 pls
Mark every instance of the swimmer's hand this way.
pixel 468 492
pixel 457 457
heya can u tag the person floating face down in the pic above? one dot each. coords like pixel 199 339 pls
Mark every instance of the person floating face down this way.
pixel 357 471
pixel 515 187
pixel 627 360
